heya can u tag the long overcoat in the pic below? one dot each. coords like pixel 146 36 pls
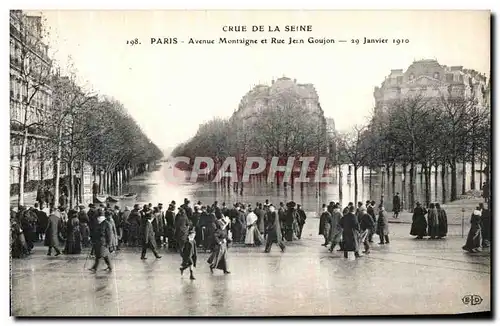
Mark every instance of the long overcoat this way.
pixel 382 223
pixel 419 223
pixel 54 227
pixel 274 228
pixel 350 231
pixel 102 238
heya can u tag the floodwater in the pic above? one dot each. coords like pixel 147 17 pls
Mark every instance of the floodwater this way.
pixel 156 187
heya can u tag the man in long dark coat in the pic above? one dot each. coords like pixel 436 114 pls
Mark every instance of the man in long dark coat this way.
pixel 42 220
pixel 350 233
pixel 291 218
pixel 149 239
pixel 336 229
pixel 396 205
pixel 370 209
pixel 102 239
pixel 181 229
pixel 325 224
pixel 260 217
pixel 54 226
pixel 366 225
pixel 274 234
pixel 187 208
pixel 301 220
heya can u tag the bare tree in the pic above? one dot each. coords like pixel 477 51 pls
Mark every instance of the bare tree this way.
pixel 30 75
pixel 353 146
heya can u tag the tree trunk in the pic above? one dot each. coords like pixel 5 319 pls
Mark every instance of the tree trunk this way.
pixel 464 175
pixel 443 181
pixel 436 168
pixel 403 185
pixel 412 186
pixel 427 188
pixel 71 185
pixel 453 191
pixel 482 169
pixel 58 168
pixel 473 167
pixel 82 185
pixel 355 184
pixel 42 168
pixel 393 183
pixel 370 183
pixel 22 168
pixel 340 183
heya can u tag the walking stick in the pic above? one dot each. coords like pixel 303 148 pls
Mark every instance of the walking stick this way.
pixel 86 259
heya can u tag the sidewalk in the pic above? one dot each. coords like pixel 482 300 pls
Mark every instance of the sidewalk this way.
pixel 453 212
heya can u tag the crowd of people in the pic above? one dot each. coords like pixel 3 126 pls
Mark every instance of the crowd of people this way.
pixel 184 229
pixel 188 228
pixel 353 227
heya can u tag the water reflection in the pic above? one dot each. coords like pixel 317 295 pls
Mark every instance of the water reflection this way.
pixel 155 188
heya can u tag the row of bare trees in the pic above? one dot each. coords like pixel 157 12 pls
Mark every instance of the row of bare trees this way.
pixel 285 127
pixel 76 126
pixel 416 130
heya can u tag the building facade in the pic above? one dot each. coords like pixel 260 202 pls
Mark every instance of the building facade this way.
pixel 432 80
pixel 30 97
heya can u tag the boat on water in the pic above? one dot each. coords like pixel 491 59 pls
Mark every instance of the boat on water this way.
pixel 102 199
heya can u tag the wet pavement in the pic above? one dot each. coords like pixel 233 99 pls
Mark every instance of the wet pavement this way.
pixel 405 277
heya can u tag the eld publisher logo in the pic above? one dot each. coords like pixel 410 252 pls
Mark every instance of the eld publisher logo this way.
pixel 472 299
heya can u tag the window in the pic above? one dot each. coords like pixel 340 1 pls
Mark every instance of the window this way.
pixel 400 80
pixel 412 76
pixel 436 75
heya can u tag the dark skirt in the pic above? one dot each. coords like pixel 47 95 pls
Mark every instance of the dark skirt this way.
pixel 218 258
pixel 419 227
pixel 73 243
pixel 474 239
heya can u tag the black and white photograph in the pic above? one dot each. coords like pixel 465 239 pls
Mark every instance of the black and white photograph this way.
pixel 250 163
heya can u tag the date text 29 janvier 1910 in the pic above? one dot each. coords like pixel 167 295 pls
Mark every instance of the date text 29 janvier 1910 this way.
pixel 286 28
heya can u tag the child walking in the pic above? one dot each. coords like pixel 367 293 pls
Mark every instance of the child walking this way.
pixel 189 255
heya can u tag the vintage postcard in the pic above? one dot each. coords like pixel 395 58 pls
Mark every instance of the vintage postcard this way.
pixel 250 163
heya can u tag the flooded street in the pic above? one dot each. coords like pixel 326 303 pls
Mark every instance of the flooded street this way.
pixel 155 187
pixel 403 277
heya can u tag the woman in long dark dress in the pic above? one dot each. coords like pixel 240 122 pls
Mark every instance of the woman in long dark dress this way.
pixel 442 222
pixel 474 238
pixel 433 222
pixel 73 237
pixel 19 247
pixel 419 223
pixel 218 258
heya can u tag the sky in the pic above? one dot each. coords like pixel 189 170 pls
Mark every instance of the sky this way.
pixel 170 89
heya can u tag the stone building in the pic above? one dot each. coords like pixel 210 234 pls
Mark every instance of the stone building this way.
pixel 431 79
pixel 30 97
pixel 283 92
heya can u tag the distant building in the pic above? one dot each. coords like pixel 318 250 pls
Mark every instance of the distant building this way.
pixel 28 54
pixel 259 97
pixel 262 97
pixel 432 79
